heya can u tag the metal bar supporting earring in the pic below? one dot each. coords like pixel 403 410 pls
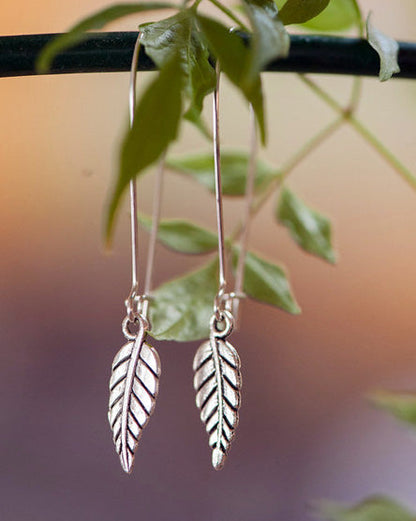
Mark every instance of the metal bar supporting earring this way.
pixel 135 373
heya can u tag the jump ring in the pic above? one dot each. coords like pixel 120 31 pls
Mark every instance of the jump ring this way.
pixel 223 325
pixel 125 326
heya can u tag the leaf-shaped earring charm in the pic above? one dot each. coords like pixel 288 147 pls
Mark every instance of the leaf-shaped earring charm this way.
pixel 217 383
pixel 134 386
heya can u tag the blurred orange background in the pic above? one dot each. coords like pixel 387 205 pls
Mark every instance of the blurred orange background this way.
pixel 306 431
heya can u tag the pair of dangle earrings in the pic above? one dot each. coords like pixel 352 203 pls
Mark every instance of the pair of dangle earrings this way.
pixel 136 368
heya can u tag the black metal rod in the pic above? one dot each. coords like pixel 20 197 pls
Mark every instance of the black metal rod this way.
pixel 112 52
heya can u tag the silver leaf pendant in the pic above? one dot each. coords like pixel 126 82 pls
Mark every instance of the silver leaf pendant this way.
pixel 134 386
pixel 217 383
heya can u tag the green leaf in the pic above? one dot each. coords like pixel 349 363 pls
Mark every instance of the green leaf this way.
pixel 181 29
pixel 340 15
pixel 155 126
pixel 202 78
pixel 375 508
pixel 311 230
pixel 300 11
pixel 234 167
pixel 233 56
pixel 167 38
pixel 270 39
pixel 78 32
pixel 267 283
pixel 400 404
pixel 181 309
pixel 183 236
pixel 387 49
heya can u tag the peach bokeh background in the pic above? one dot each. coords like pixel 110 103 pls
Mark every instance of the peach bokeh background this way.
pixel 306 431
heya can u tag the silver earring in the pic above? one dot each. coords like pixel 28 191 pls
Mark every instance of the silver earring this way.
pixel 217 379
pixel 134 382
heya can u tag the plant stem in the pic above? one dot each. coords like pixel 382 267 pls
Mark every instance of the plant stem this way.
pixel 194 5
pixel 230 14
pixel 355 95
pixel 310 146
pixel 287 169
pixel 357 82
pixel 384 152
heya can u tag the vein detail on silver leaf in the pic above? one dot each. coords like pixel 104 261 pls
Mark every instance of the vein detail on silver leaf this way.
pixel 217 383
pixel 134 386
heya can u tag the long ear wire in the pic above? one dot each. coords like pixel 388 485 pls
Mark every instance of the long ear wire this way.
pixel 141 302
pixel 134 382
pixel 222 283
